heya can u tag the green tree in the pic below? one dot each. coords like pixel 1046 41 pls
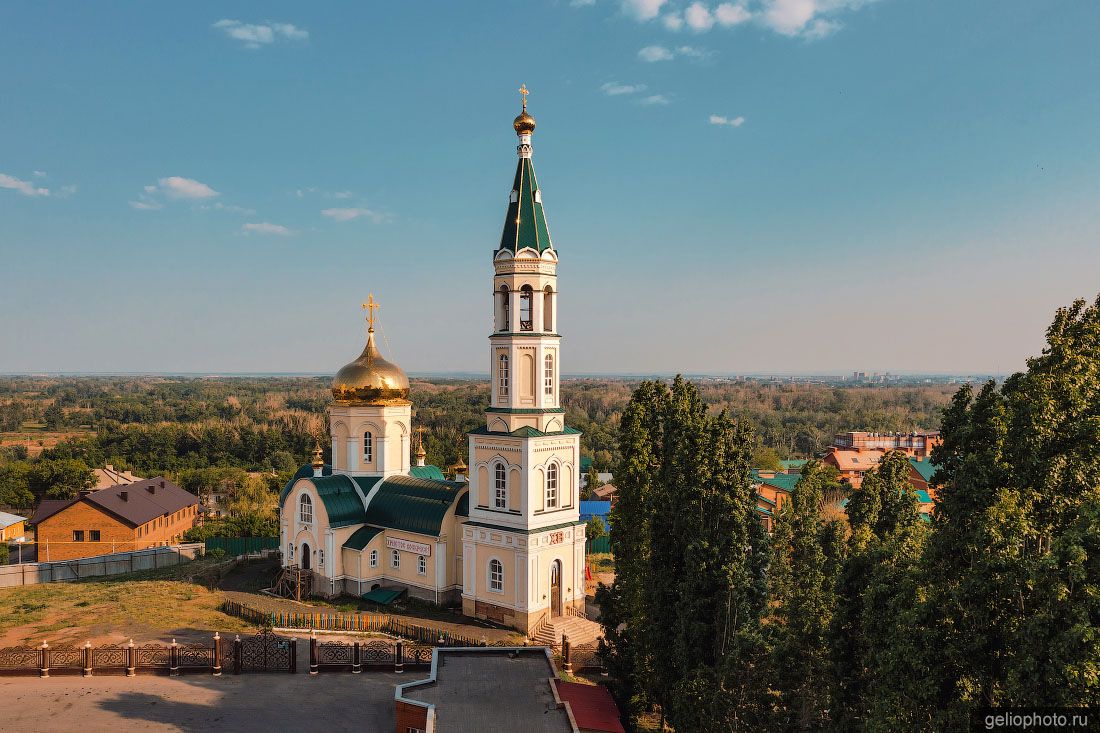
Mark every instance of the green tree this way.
pixel 253 511
pixel 690 556
pixel 59 478
pixel 594 530
pixel 592 482
pixel 877 593
pixel 54 417
pixel 766 459
pixel 1013 565
pixel 806 555
pixel 15 487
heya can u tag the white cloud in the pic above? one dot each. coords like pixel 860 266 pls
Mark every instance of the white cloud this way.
pixel 691 51
pixel 347 214
pixel 615 89
pixel 230 208
pixel 265 227
pixel 256 35
pixel 654 99
pixel 808 19
pixel 178 187
pixel 698 17
pixel 146 205
pixel 40 174
pixel 673 21
pixel 727 121
pixel 24 187
pixel 655 53
pixel 731 14
pixel 581 3
pixel 642 9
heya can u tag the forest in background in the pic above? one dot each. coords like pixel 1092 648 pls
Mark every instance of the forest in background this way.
pixel 54 429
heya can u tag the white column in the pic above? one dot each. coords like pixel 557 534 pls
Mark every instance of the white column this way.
pixel 380 452
pixel 405 454
pixel 513 315
pixel 355 448
pixel 440 565
pixel 536 310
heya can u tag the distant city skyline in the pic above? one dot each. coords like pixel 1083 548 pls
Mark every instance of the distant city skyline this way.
pixel 810 187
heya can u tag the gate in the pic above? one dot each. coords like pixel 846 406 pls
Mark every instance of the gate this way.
pixel 265 652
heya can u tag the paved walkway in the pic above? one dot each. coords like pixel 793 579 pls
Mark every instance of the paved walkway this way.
pixel 269 702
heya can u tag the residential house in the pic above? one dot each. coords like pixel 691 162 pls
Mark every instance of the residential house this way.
pixel 147 513
pixel 12 527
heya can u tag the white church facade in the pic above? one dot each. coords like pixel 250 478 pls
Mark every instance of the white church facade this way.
pixel 508 542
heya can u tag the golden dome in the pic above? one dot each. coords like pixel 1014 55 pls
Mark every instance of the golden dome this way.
pixel 371 380
pixel 525 123
pixel 318 457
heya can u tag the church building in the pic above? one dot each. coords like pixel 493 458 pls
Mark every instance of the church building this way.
pixel 507 543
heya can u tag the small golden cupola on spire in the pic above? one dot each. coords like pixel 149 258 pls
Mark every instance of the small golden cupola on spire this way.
pixel 318 462
pixel 524 124
pixel 370 379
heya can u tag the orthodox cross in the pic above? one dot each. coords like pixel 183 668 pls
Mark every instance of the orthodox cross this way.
pixel 524 92
pixel 370 306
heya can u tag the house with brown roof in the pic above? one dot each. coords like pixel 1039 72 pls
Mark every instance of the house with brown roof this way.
pixel 853 463
pixel 147 513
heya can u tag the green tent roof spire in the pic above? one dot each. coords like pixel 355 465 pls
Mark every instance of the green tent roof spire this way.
pixel 525 223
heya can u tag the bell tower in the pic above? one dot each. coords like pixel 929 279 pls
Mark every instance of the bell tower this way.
pixel 525 462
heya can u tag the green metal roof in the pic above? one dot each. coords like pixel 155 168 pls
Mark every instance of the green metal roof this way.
pixel 305 471
pixel 784 481
pixel 525 432
pixel 412 504
pixel 463 508
pixel 923 497
pixel 385 596
pixel 794 463
pixel 429 471
pixel 586 463
pixel 924 467
pixel 502 528
pixel 343 502
pixel 362 537
pixel 525 223
pixel 766 500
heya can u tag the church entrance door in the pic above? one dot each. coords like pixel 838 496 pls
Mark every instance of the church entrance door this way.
pixel 555 588
pixel 305 556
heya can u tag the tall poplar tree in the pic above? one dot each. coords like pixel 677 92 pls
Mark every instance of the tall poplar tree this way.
pixel 806 552
pixel 1013 568
pixel 877 593
pixel 682 617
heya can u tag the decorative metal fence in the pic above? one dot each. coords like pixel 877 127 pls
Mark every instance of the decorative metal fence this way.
pixel 265 652
pixel 112 659
pixel 380 655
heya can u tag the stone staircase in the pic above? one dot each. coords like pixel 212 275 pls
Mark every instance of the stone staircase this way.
pixel 579 630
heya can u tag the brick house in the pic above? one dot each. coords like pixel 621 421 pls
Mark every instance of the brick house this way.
pixel 135 516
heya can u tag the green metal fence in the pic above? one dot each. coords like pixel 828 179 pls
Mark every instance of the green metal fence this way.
pixel 600 544
pixel 234 546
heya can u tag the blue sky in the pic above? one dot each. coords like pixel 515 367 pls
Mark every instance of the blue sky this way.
pixel 760 186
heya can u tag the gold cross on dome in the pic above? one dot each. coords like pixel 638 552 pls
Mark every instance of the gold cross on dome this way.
pixel 524 92
pixel 371 306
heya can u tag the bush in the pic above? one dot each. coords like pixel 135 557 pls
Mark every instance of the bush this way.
pixel 217 553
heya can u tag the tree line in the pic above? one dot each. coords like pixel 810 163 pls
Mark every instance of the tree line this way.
pixel 878 620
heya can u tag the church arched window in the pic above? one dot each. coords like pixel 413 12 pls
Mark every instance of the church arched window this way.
pixel 552 486
pixel 502 376
pixel 526 304
pixel 305 509
pixel 496 576
pixel 368 447
pixel 395 559
pixel 503 307
pixel 374 558
pixel 548 310
pixel 500 494
pixel 548 375
pixel 421 565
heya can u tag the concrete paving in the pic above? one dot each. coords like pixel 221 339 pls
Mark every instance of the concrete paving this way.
pixel 271 702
